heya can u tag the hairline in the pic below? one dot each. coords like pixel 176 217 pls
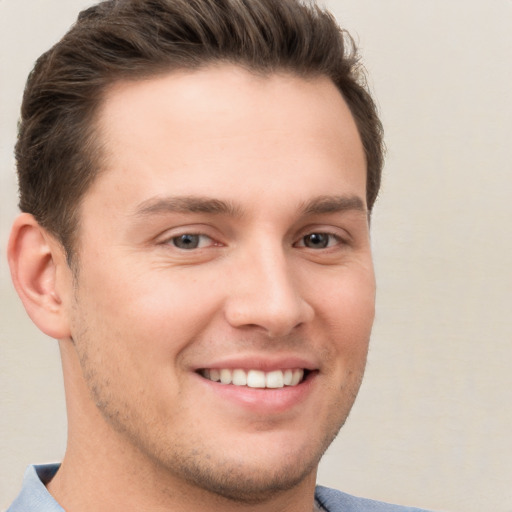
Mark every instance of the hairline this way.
pixel 97 153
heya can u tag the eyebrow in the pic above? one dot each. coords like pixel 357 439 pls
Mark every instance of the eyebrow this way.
pixel 187 204
pixel 333 204
pixel 198 204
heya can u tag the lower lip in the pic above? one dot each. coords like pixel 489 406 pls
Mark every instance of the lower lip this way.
pixel 263 400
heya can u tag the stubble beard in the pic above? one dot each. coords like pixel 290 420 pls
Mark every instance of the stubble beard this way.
pixel 199 468
pixel 229 478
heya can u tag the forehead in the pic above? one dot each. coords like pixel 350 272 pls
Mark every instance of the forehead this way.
pixel 224 125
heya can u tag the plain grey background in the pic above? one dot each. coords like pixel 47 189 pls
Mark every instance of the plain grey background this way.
pixel 432 425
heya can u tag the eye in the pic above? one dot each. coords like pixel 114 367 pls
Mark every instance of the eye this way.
pixel 190 241
pixel 319 240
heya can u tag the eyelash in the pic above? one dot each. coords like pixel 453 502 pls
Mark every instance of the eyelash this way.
pixel 331 237
pixel 193 240
pixel 195 236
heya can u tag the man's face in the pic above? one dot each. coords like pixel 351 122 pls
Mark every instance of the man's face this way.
pixel 226 238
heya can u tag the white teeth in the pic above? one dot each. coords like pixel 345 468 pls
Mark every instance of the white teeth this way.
pixel 239 378
pixel 214 375
pixel 225 376
pixel 275 379
pixel 255 378
pixel 297 376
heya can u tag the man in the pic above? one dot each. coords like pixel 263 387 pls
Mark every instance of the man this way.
pixel 196 179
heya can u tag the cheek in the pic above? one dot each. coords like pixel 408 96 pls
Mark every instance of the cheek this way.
pixel 174 306
pixel 143 309
pixel 348 303
pixel 349 312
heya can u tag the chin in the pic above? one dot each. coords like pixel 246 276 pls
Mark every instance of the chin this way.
pixel 254 475
pixel 250 484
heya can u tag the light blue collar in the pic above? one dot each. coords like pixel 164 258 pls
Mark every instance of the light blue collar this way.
pixel 34 495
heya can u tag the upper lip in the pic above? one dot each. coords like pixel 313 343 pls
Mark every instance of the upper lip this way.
pixel 263 363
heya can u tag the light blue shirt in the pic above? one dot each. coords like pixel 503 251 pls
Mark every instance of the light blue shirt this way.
pixel 34 496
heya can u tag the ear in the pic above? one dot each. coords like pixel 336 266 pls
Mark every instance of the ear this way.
pixel 41 275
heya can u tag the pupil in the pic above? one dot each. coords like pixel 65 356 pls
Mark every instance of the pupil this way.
pixel 316 240
pixel 186 241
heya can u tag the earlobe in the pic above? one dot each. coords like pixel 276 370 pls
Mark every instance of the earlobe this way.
pixel 40 275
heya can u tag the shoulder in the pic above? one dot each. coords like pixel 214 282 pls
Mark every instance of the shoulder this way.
pixel 337 501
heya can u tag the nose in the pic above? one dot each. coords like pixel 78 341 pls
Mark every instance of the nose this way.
pixel 265 295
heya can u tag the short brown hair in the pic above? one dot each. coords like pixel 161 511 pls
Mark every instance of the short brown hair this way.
pixel 57 154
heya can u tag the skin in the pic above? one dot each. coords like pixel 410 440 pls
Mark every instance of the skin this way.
pixel 254 165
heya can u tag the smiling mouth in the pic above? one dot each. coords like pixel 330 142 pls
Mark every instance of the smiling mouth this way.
pixel 256 378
